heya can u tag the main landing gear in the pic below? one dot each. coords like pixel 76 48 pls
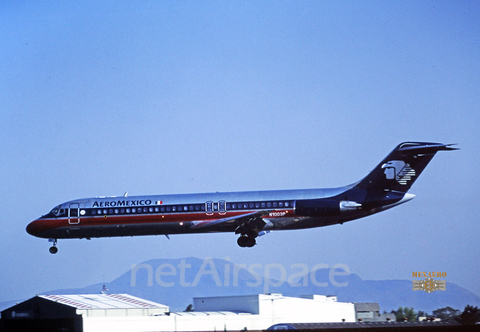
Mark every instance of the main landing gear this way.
pixel 246 241
pixel 53 249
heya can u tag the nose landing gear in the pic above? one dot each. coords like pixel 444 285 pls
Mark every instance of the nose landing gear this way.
pixel 53 249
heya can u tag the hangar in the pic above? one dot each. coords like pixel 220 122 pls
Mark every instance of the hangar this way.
pixel 71 312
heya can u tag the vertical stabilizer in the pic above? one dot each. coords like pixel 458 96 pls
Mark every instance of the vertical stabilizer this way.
pixel 399 170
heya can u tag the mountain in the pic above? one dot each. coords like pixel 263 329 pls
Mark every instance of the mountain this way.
pixel 390 294
pixel 175 282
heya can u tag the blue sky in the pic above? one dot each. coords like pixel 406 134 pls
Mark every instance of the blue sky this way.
pixel 160 97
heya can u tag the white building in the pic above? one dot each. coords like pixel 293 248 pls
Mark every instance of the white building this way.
pixel 276 308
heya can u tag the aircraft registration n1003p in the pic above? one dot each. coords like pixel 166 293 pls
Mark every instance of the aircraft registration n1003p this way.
pixel 250 213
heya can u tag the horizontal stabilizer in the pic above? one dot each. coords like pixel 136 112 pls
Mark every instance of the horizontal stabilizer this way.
pixel 426 148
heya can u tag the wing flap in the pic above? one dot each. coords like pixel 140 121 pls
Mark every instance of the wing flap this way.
pixel 240 219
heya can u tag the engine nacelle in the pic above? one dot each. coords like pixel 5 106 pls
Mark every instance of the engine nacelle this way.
pixel 324 207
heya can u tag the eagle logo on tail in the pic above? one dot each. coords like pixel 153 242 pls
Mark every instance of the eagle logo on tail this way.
pixel 398 170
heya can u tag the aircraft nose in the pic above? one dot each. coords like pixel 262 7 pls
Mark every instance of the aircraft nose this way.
pixel 33 228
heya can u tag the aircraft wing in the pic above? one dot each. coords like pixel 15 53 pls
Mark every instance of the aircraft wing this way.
pixel 248 219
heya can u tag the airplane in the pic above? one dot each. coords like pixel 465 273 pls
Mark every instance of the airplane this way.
pixel 249 214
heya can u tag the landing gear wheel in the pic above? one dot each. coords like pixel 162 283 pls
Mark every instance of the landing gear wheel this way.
pixel 242 241
pixel 53 249
pixel 251 241
pixel 246 241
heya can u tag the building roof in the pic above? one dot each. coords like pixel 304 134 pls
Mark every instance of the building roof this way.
pixel 103 301
pixel 367 307
pixel 210 313
pixel 376 326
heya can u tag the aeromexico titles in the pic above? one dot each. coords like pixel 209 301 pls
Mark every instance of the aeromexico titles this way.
pixel 248 214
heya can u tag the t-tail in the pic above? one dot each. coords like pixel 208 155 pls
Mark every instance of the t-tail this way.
pixel 385 187
pixel 399 170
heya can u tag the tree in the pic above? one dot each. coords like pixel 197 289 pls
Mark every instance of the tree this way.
pixel 405 314
pixel 469 316
pixel 446 314
pixel 421 313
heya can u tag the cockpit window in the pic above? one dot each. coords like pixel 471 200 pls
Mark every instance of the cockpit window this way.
pixel 58 211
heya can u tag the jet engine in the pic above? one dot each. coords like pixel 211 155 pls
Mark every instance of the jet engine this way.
pixel 324 207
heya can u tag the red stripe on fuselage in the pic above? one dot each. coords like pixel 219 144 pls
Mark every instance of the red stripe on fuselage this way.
pixel 42 225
